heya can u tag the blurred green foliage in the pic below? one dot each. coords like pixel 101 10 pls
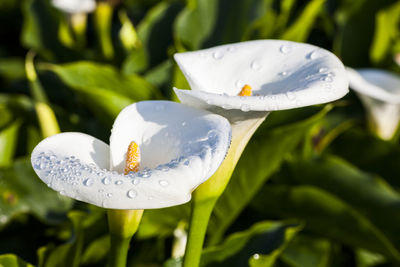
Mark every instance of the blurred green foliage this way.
pixel 313 187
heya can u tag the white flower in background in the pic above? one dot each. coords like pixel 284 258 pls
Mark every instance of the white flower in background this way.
pixel 75 6
pixel 379 92
pixel 245 81
pixel 177 148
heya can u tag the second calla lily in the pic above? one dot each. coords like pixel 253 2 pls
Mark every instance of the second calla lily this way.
pixel 244 82
pixel 379 91
pixel 180 148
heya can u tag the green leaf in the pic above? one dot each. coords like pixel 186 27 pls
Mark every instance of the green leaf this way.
pixel 155 33
pixel 68 254
pixel 11 260
pixel 40 30
pixel 379 156
pixel 97 250
pixel 12 68
pixel 102 87
pixel 22 191
pixel 264 238
pixel 256 165
pixel 162 222
pixel 346 205
pixel 8 141
pixel 301 28
pixel 356 30
pixel 386 32
pixel 306 250
pixel 195 23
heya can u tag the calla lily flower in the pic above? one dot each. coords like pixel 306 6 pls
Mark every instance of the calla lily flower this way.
pixel 379 92
pixel 75 6
pixel 281 75
pixel 180 148
pixel 244 82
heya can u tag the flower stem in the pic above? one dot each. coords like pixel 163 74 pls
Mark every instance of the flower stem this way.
pixel 206 195
pixel 47 119
pixel 103 17
pixel 123 224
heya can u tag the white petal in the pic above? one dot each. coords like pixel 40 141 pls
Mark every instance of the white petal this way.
pixel 282 74
pixel 379 84
pixel 181 147
pixel 75 6
pixel 74 163
pixel 379 92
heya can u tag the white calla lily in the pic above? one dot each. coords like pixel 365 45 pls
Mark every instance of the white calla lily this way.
pixel 280 75
pixel 379 92
pixel 75 6
pixel 181 147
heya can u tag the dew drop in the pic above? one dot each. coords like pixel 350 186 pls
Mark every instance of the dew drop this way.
pixel 285 49
pixel 283 73
pixel 256 256
pixel 146 141
pixel 163 183
pixel 323 70
pixel 184 123
pixel 327 79
pixel 231 49
pixel 106 180
pixel 62 192
pixel 226 106
pixel 218 55
pixel 131 193
pixel 119 182
pixel 313 55
pixel 245 108
pixel 135 181
pixel 109 195
pixel 239 84
pixel 255 65
pixel 291 95
pixel 88 182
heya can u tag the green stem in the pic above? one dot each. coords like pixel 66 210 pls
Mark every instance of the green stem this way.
pixel 199 217
pixel 118 251
pixel 123 224
pixel 206 195
pixel 103 17
pixel 47 119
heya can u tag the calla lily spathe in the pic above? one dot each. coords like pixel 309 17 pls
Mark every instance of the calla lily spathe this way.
pixel 181 147
pixel 282 74
pixel 75 6
pixel 379 92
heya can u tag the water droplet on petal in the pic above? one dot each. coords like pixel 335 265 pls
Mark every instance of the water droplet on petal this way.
pixel 131 193
pixel 327 79
pixel 245 107
pixel 88 182
pixel 119 182
pixel 218 55
pixel 109 195
pixel 291 95
pixel 256 256
pixel 106 180
pixel 135 181
pixel 283 73
pixel 312 55
pixel 256 65
pixel 285 49
pixel 163 183
pixel 231 49
pixel 239 84
pixel 184 123
pixel 323 70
